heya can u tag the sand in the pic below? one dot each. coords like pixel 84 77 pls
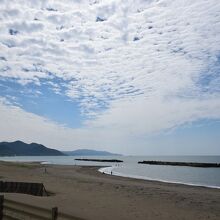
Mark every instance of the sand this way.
pixel 86 193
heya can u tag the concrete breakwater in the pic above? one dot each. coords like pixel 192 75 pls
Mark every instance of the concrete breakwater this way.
pixel 101 160
pixel 189 164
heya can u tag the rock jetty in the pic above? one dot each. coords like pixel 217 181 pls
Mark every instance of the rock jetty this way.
pixel 101 160
pixel 189 164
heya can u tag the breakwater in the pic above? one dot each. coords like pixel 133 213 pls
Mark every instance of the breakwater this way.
pixel 189 164
pixel 100 160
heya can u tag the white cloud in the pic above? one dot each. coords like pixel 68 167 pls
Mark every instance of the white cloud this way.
pixel 16 124
pixel 152 62
pixel 154 115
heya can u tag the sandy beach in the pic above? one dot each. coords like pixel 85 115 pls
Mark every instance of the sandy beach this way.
pixel 86 193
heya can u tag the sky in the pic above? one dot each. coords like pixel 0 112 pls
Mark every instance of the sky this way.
pixel 137 77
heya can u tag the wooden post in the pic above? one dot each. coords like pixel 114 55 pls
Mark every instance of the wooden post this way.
pixel 54 213
pixel 1 206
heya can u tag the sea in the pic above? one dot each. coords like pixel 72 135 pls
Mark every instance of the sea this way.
pixel 207 177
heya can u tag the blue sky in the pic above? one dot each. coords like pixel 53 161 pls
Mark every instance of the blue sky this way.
pixel 133 77
pixel 42 100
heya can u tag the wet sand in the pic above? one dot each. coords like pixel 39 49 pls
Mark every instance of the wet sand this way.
pixel 86 193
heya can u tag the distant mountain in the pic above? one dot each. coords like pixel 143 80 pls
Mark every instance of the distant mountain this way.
pixel 87 152
pixel 19 148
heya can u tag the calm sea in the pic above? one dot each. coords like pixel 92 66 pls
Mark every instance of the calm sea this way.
pixel 209 177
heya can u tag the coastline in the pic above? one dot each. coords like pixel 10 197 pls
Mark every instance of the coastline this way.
pixel 107 170
pixel 194 176
pixel 84 192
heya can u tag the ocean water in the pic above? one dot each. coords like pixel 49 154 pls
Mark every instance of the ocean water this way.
pixel 209 177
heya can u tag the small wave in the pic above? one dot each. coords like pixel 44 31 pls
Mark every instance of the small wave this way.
pixel 109 170
pixel 106 170
pixel 45 162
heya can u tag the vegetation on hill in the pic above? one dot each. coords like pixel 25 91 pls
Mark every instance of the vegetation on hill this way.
pixel 19 148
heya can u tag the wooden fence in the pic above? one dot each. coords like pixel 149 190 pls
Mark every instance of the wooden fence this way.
pixel 13 210
pixel 35 189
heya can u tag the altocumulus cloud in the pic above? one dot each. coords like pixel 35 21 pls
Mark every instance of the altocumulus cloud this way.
pixel 135 67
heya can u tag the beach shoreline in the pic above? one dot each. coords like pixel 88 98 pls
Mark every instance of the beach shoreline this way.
pixel 108 170
pixel 84 192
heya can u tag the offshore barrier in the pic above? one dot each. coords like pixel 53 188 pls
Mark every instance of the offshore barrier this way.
pixel 188 164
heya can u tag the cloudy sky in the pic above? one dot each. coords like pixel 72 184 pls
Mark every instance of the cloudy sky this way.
pixel 133 77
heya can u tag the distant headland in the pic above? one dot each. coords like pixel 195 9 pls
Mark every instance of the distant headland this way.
pixel 19 148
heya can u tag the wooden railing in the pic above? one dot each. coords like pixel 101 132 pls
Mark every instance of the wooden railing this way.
pixel 13 210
